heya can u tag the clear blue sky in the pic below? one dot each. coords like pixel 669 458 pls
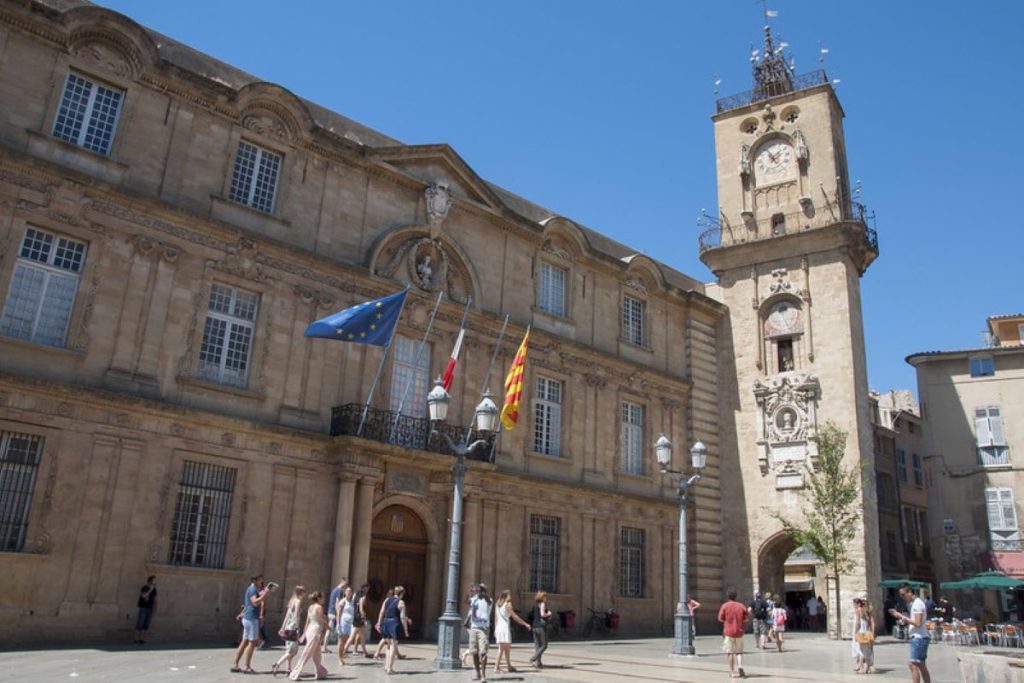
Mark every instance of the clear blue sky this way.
pixel 600 112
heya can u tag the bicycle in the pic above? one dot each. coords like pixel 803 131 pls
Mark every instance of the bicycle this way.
pixel 601 622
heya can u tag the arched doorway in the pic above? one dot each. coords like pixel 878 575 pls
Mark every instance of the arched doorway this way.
pixel 771 563
pixel 398 556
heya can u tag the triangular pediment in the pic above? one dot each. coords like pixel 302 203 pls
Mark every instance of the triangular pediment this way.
pixel 439 163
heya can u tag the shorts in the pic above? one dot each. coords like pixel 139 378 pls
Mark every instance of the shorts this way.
pixel 780 628
pixel 250 629
pixel 142 621
pixel 918 650
pixel 760 628
pixel 732 646
pixel 345 627
pixel 478 641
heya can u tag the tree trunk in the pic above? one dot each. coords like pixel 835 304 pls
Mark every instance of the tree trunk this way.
pixel 839 616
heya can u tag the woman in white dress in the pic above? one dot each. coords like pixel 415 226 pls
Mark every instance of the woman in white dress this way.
pixel 316 631
pixel 504 613
pixel 345 610
pixel 863 636
pixel 290 630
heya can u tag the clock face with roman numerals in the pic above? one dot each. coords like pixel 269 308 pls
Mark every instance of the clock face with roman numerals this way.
pixel 774 163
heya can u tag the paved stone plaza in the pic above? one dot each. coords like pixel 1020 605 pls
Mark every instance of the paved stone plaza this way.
pixel 807 658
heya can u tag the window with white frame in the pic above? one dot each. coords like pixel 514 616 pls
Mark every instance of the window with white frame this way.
pixel 227 336
pixel 551 294
pixel 19 463
pixel 199 534
pixel 88 113
pixel 915 463
pixel 633 321
pixel 631 563
pixel 547 417
pixel 43 286
pixel 988 427
pixel 901 465
pixel 254 181
pixel 1002 519
pixel 544 542
pixel 632 444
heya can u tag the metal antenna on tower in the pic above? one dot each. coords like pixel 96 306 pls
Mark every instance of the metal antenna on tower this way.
pixel 718 82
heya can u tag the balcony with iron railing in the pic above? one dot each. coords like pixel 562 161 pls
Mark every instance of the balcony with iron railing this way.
pixel 406 431
pixel 794 84
pixel 714 234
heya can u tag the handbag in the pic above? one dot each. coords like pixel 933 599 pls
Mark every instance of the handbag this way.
pixel 865 637
pixel 288 634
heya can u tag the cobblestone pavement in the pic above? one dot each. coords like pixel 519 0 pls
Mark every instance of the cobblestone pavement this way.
pixel 807 657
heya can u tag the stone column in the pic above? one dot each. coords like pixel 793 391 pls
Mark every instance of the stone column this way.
pixel 363 525
pixel 343 529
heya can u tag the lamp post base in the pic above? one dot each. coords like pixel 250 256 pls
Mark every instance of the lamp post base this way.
pixel 448 625
pixel 683 642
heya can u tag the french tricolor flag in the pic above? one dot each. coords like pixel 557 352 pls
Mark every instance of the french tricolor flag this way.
pixel 449 371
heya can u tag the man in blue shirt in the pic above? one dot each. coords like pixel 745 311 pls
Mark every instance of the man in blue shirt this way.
pixel 332 606
pixel 250 618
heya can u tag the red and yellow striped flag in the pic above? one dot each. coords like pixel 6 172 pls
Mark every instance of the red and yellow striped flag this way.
pixel 514 386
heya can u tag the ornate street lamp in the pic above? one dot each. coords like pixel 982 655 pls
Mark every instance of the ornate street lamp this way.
pixel 486 418
pixel 683 643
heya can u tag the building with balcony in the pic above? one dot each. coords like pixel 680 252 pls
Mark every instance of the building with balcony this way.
pixel 169 226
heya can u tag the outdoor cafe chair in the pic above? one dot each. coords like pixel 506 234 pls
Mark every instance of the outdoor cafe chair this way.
pixel 969 634
pixel 1011 634
pixel 949 634
pixel 993 636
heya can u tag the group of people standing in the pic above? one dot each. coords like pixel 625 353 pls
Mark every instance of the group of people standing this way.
pixel 478 621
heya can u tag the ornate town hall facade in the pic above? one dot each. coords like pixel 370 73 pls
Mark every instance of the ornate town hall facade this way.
pixel 169 225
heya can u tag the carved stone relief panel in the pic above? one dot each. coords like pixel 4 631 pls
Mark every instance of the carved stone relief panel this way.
pixel 787 426
pixel 430 265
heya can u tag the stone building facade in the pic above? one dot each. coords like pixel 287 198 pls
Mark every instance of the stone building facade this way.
pixel 169 225
pixel 972 404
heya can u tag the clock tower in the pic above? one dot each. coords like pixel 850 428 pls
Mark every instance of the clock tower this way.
pixel 788 246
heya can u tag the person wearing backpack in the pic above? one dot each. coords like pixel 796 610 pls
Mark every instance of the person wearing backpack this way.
pixel 759 614
pixel 779 622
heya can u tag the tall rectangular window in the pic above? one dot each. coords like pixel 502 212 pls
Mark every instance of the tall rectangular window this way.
pixel 87 115
pixel 901 465
pixel 886 495
pixel 552 289
pixel 410 378
pixel 988 427
pixel 43 286
pixel 631 563
pixel 547 417
pixel 544 534
pixel 922 528
pixel 982 367
pixel 632 424
pixel 19 463
pixel 915 463
pixel 254 181
pixel 891 549
pixel 633 321
pixel 227 335
pixel 199 534
pixel 1004 536
pixel 909 525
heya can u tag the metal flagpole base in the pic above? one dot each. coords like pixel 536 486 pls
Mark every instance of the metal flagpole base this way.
pixel 683 642
pixel 448 625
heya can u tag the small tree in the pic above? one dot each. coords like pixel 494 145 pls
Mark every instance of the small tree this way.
pixel 831 512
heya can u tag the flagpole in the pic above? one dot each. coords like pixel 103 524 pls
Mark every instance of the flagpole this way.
pixel 487 377
pixel 408 384
pixel 380 368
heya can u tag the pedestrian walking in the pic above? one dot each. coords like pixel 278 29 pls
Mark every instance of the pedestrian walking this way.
pixel 917 634
pixel 316 631
pixel 346 614
pixel 539 619
pixel 332 603
pixel 769 622
pixel 479 626
pixel 392 614
pixel 812 613
pixel 255 595
pixel 759 614
pixel 779 616
pixel 863 636
pixel 290 628
pixel 358 640
pixel 733 617
pixel 146 605
pixel 504 613
pixel 693 606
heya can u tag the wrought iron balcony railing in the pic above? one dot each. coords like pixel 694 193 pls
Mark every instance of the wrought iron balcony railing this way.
pixel 801 82
pixel 408 431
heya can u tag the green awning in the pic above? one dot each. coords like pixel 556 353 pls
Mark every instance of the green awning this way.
pixel 991 580
pixel 896 583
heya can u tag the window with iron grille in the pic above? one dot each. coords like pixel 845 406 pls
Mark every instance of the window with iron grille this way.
pixel 88 114
pixel 547 422
pixel 227 335
pixel 988 428
pixel 199 534
pixel 19 463
pixel 552 289
pixel 632 438
pixel 43 287
pixel 633 321
pixel 544 533
pixel 254 181
pixel 631 563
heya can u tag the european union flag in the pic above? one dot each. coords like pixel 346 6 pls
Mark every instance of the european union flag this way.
pixel 368 323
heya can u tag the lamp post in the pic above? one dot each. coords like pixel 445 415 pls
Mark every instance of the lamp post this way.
pixel 683 643
pixel 486 416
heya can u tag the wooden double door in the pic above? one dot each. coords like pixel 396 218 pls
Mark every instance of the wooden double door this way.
pixel 398 557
